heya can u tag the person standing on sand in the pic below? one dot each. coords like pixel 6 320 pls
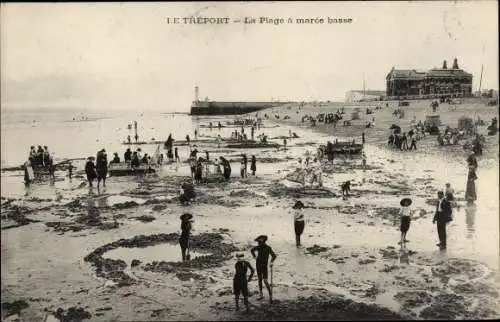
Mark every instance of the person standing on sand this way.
pixel 226 167
pixel 70 170
pixel 405 212
pixel 442 217
pixel 90 170
pixel 102 167
pixel 253 165
pixel 364 161
pixel 186 220
pixel 404 145
pixel 413 140
pixel 262 259
pixel 240 282
pixel 470 192
pixel 298 221
pixel 176 153
pixel 245 166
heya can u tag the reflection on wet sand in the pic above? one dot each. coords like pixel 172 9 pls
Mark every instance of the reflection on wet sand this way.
pixel 470 217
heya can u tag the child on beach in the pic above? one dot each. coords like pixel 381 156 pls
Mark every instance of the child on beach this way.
pixel 405 213
pixel 240 281
pixel 346 188
pixel 298 221
pixel 263 252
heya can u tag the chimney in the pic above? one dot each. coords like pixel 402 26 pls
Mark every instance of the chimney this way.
pixel 444 65
pixel 455 63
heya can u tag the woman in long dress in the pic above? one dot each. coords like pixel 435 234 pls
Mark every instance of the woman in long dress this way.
pixel 470 193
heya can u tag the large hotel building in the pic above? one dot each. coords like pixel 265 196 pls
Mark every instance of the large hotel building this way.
pixel 437 82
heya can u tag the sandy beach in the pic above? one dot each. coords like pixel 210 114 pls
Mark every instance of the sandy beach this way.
pixel 113 254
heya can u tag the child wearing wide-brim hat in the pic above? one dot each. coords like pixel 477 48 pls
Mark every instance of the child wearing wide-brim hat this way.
pixel 298 221
pixel 405 213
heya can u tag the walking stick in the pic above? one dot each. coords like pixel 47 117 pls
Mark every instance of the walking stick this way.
pixel 271 284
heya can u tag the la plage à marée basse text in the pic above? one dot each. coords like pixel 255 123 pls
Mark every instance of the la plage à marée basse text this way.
pixel 279 21
pixel 252 20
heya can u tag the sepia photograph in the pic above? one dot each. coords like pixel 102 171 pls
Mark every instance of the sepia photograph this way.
pixel 249 161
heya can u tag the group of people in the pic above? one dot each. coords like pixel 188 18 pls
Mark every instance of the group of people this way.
pixel 97 170
pixel 403 141
pixel 244 166
pixel 261 253
pixel 40 157
pixel 442 216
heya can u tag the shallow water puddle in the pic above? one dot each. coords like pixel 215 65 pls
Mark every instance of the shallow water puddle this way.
pixel 162 252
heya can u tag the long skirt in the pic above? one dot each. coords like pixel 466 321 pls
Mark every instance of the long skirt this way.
pixel 298 227
pixel 470 192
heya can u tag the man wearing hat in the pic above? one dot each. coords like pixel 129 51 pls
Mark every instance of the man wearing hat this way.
pixel 90 170
pixel 442 217
pixel 405 213
pixel 298 221
pixel 186 220
pixel 264 251
pixel 240 282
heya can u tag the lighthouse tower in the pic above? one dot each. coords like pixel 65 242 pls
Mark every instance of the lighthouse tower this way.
pixel 196 94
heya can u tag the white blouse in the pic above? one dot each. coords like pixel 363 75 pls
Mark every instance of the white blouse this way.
pixel 298 215
pixel 405 211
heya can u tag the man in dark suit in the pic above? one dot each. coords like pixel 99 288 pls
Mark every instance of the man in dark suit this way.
pixel 442 217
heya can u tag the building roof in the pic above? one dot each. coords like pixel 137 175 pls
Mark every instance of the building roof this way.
pixel 447 72
pixel 406 73
pixel 435 72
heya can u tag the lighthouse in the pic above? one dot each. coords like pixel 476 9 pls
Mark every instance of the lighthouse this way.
pixel 196 94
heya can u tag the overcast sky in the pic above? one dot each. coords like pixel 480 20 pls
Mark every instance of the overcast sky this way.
pixel 114 55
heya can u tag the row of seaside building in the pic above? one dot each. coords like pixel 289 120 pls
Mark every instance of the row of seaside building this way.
pixel 415 84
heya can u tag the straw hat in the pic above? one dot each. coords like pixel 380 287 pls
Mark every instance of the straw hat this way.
pixel 405 202
pixel 298 205
pixel 262 238
pixel 186 216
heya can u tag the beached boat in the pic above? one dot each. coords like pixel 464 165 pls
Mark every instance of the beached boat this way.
pixel 252 145
pixel 347 148
pixel 124 169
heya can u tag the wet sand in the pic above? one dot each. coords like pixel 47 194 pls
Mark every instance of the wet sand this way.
pixel 57 242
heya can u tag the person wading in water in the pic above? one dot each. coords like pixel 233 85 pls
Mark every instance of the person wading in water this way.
pixel 262 259
pixel 442 217
pixel 298 221
pixel 240 282
pixel 186 220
